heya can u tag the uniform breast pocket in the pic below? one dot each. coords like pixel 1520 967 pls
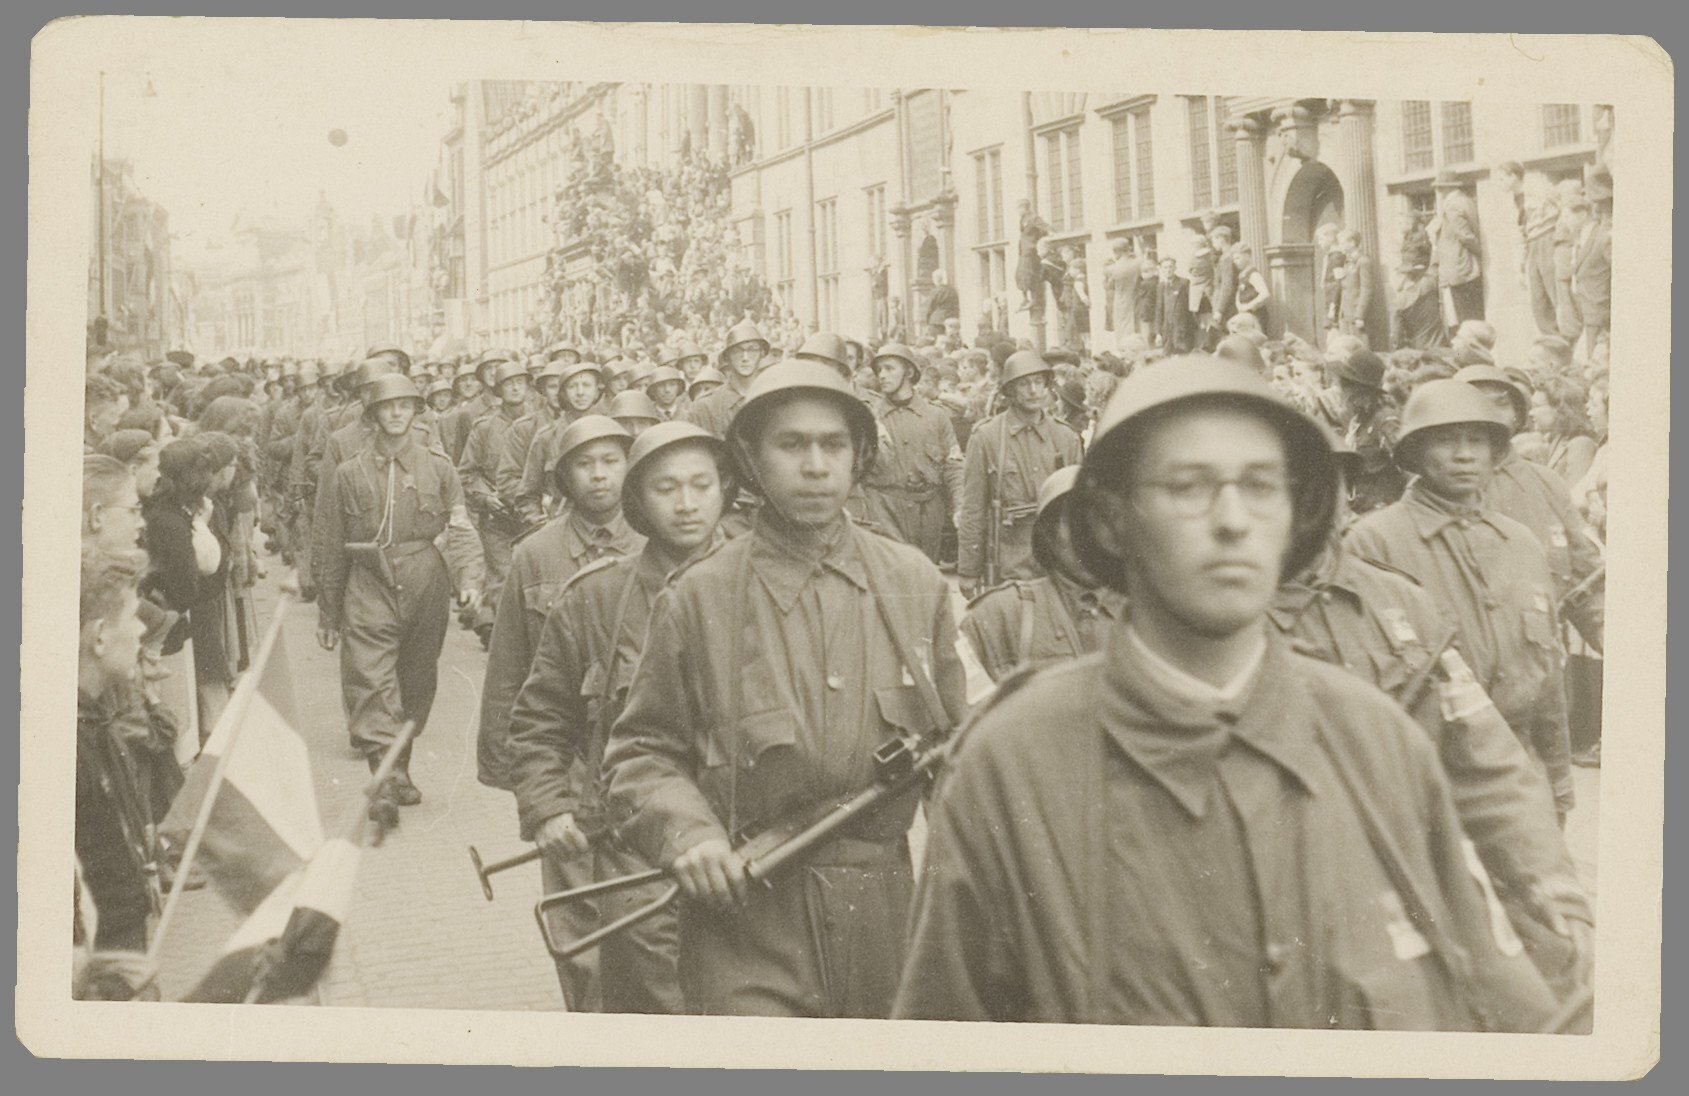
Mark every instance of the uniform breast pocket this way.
pixel 537 597
pixel 759 739
pixel 431 499
pixel 357 498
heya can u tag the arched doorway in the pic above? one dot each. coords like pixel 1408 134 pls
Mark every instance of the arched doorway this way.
pixel 1314 198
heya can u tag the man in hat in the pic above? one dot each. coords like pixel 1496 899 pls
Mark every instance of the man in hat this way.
pixel 917 477
pixel 773 670
pixel 1488 571
pixel 740 360
pixel 588 472
pixel 386 587
pixel 1416 312
pixel 1383 627
pixel 495 519
pixel 1370 423
pixel 1538 499
pixel 1174 330
pixel 668 391
pixel 541 415
pixel 1056 617
pixel 678 478
pixel 1460 248
pixel 1212 829
pixel 1355 293
pixel 1008 456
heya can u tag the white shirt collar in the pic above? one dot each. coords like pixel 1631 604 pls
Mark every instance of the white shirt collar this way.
pixel 1194 689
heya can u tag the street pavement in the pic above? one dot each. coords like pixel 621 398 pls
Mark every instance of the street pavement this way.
pixel 421 934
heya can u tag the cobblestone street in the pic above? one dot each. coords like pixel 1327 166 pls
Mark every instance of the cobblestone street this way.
pixel 421 935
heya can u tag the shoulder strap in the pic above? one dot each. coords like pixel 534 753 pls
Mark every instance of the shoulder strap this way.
pixel 1028 620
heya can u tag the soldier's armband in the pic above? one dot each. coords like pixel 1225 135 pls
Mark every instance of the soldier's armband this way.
pixel 1459 693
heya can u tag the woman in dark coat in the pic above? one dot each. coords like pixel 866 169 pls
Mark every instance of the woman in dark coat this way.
pixel 190 561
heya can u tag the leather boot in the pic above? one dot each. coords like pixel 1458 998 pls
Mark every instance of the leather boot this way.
pixel 405 793
pixel 382 809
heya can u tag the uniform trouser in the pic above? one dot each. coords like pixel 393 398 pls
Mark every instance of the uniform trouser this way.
pixel 390 642
pixel 638 969
pixel 914 518
pixel 577 977
pixel 497 542
pixel 826 940
pixel 1539 278
pixel 302 546
pixel 1566 307
pixel 1468 300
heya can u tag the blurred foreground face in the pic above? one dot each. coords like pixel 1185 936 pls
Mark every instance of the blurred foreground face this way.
pixel 682 496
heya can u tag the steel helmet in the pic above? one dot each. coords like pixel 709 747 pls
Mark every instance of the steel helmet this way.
pixel 663 374
pixel 465 371
pixel 903 354
pixel 1022 363
pixel 577 368
pixel 508 370
pixel 371 370
pixel 439 387
pixel 633 404
pixel 668 355
pixel 535 365
pixel 664 436
pixel 744 332
pixel 1481 375
pixel 309 373
pixel 1047 548
pixel 290 368
pixel 391 348
pixel 1201 378
pixel 1241 349
pixel 690 350
pixel 707 375
pixel 1447 403
pixel 558 349
pixel 550 369
pixel 827 348
pixel 786 379
pixel 393 386
pixel 584 430
pixel 487 364
pixel 639 373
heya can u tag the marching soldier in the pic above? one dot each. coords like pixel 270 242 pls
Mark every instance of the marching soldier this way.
pixel 691 361
pixel 1042 621
pixel 1009 456
pixel 1539 499
pixel 497 523
pixel 1488 571
pixel 773 669
pixel 740 360
pixel 1217 831
pixel 635 411
pixel 582 388
pixel 472 387
pixel 917 476
pixel 316 390
pixel 668 391
pixel 513 450
pixel 591 462
pixel 707 380
pixel 676 481
pixel 386 586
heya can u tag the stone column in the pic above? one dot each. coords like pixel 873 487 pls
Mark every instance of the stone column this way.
pixel 1250 132
pixel 1360 201
pixel 899 279
pixel 718 123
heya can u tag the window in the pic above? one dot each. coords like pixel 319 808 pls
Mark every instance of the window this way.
pixel 988 195
pixel 1425 146
pixel 1213 153
pixel 783 255
pixel 1067 199
pixel 1457 133
pixel 993 271
pixel 1202 182
pixel 1560 125
pixel 823 100
pixel 876 220
pixel 1417 154
pixel 783 117
pixel 827 262
pixel 1130 135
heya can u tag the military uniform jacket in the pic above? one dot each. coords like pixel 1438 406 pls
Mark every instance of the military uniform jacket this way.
pixel 918 453
pixel 426 502
pixel 714 410
pixel 1385 629
pixel 1031 451
pixel 1038 622
pixel 1539 500
pixel 456 424
pixel 541 565
pixel 769 678
pixel 526 474
pixel 304 472
pixel 356 436
pixel 513 451
pixel 481 452
pixel 1205 863
pixel 583 662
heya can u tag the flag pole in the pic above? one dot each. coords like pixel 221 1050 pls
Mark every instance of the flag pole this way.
pixel 238 705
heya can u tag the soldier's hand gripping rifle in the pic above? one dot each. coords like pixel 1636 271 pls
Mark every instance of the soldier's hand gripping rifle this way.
pixel 900 765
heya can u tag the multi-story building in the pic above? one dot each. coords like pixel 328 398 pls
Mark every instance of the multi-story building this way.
pixel 130 304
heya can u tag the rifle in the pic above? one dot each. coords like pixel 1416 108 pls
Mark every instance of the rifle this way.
pixel 899 765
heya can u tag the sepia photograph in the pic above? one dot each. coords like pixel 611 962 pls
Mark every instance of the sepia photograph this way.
pixel 1041 549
